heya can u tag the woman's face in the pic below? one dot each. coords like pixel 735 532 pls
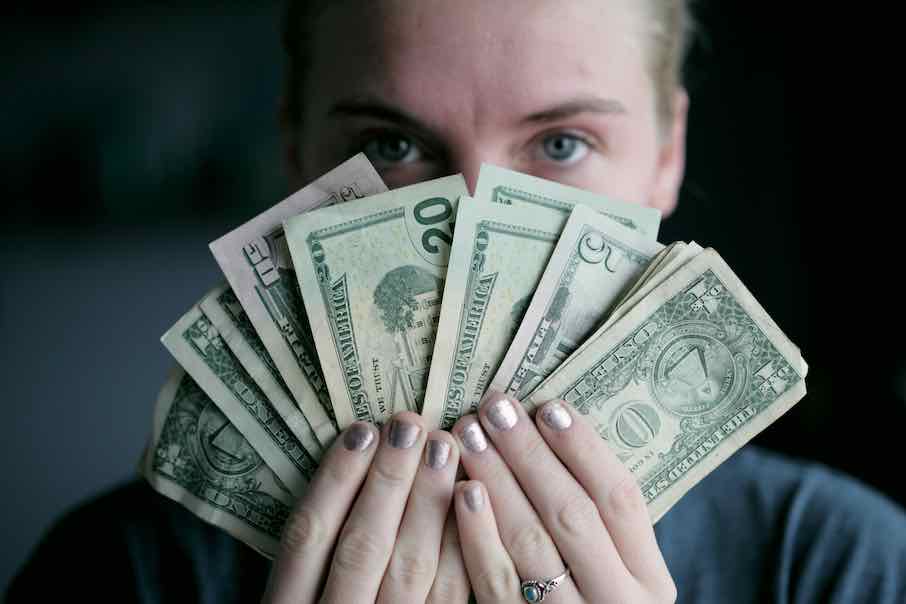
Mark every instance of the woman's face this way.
pixel 555 89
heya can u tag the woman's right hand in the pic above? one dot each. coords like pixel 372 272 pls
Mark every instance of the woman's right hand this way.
pixel 374 525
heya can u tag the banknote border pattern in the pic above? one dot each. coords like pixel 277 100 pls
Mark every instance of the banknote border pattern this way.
pixel 569 274
pixel 198 490
pixel 448 418
pixel 653 485
pixel 273 424
pixel 326 233
pixel 554 204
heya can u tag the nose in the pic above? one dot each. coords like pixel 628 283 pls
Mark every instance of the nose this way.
pixel 470 172
pixel 468 163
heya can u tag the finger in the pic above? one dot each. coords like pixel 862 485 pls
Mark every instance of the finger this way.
pixel 524 536
pixel 414 561
pixel 451 583
pixel 491 570
pixel 366 541
pixel 312 528
pixel 566 510
pixel 612 487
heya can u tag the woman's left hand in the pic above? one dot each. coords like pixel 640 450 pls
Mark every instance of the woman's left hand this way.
pixel 548 497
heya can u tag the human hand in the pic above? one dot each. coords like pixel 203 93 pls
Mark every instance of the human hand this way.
pixel 548 496
pixel 372 528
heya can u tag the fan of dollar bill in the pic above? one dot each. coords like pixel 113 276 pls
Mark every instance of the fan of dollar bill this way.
pixel 349 302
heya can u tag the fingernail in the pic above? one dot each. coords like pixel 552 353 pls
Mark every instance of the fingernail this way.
pixel 437 454
pixel 358 437
pixel 500 412
pixel 555 416
pixel 473 437
pixel 403 434
pixel 473 497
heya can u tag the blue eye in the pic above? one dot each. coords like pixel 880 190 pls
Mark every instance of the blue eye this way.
pixel 564 148
pixel 391 149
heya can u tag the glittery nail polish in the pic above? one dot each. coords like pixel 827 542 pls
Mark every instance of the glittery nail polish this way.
pixel 403 434
pixel 474 497
pixel 358 437
pixel 501 412
pixel 473 437
pixel 436 454
pixel 554 415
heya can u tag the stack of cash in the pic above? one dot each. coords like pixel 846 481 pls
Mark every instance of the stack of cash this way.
pixel 349 302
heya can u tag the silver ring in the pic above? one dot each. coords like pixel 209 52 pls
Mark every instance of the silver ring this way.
pixel 535 591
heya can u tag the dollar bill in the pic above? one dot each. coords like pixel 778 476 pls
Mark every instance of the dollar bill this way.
pixel 257 265
pixel 658 263
pixel 594 261
pixel 197 458
pixel 652 267
pixel 372 274
pixel 663 265
pixel 195 343
pixel 680 255
pixel 499 185
pixel 684 379
pixel 499 253
pixel 223 309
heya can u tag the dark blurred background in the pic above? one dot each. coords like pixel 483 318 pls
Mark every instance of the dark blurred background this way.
pixel 133 137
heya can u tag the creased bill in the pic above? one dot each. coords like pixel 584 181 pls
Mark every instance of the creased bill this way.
pixel 594 261
pixel 223 309
pixel 197 458
pixel 682 380
pixel 196 344
pixel 257 265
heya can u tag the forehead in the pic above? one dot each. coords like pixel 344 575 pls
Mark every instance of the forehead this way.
pixel 489 58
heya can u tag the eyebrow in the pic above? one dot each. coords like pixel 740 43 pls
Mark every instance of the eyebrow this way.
pixel 574 107
pixel 371 107
pixel 374 108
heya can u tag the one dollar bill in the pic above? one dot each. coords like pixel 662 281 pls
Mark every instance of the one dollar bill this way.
pixel 199 459
pixel 372 275
pixel 223 309
pixel 686 377
pixel 196 344
pixel 257 264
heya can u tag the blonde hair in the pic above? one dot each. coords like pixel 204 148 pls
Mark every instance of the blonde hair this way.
pixel 670 31
pixel 669 28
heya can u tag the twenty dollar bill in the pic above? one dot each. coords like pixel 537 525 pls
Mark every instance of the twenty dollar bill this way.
pixel 372 275
pixel 499 253
pixel 502 186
